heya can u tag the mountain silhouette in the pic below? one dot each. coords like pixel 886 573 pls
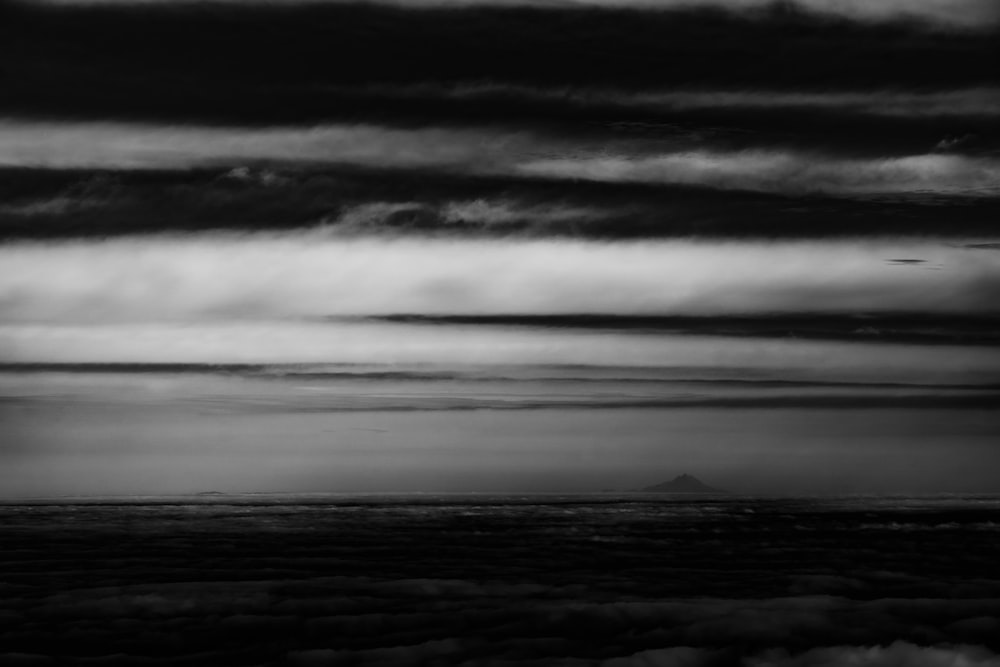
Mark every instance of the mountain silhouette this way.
pixel 682 484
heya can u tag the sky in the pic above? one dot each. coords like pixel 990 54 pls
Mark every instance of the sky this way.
pixel 498 245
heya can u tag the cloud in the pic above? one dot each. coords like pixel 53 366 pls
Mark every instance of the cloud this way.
pixel 492 152
pixel 312 274
pixel 886 102
pixel 786 172
pixel 404 346
pixel 221 395
pixel 498 213
pixel 121 61
pixel 678 656
pixel 325 621
pixel 49 204
pixel 897 654
pixel 138 146
pixel 959 13
pixel 457 216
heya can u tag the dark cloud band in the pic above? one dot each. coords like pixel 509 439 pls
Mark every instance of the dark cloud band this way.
pixel 353 201
pixel 952 13
pixel 290 61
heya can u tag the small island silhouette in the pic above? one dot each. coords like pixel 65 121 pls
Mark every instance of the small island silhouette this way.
pixel 682 484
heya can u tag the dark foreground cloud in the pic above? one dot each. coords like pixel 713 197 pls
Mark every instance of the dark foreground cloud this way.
pixel 610 582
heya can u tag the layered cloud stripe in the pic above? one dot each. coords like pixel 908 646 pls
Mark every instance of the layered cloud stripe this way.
pixel 969 13
pixel 314 275
pixel 112 146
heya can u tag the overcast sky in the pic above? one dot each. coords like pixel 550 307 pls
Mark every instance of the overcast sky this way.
pixel 573 246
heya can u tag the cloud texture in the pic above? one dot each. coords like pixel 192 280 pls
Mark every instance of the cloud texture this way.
pixel 489 152
pixel 788 172
pixel 960 13
pixel 311 274
pixel 526 580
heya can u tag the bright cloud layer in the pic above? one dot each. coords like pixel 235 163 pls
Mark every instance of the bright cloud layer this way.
pixel 315 274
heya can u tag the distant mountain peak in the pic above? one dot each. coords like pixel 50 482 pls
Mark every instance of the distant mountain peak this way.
pixel 684 483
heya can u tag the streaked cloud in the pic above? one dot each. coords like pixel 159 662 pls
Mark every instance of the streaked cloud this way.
pixel 143 146
pixel 789 172
pixel 886 102
pixel 494 152
pixel 903 103
pixel 963 13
